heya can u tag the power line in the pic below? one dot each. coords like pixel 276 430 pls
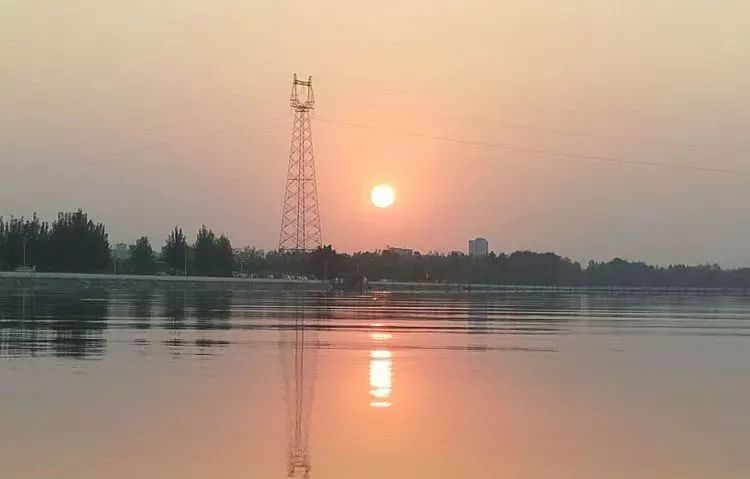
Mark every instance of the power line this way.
pixel 559 131
pixel 157 129
pixel 132 151
pixel 105 157
pixel 539 151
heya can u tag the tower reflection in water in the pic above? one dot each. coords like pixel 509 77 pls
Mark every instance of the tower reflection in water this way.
pixel 381 371
pixel 298 355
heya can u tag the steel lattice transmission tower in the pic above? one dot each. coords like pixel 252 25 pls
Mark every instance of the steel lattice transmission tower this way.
pixel 300 218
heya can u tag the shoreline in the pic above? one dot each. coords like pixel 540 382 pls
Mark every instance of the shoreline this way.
pixel 408 287
pixel 64 281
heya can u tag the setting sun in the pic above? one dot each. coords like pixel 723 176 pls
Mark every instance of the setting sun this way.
pixel 382 196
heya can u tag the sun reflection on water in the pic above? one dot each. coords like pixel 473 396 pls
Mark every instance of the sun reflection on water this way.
pixel 381 373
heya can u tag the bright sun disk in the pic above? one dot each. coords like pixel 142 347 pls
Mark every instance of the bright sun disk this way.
pixel 382 196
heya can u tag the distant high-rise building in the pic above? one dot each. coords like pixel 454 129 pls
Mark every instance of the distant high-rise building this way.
pixel 479 247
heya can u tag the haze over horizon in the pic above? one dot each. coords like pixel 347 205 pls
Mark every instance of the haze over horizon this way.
pixel 591 130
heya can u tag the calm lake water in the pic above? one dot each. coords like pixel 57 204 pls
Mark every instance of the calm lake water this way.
pixel 240 385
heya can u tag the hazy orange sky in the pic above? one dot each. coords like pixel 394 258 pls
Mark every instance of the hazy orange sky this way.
pixel 150 114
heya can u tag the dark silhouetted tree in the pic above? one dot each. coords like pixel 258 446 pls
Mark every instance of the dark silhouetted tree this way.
pixel 205 251
pixel 74 243
pixel 251 260
pixel 175 250
pixel 324 263
pixel 142 257
pixel 78 245
pixel 19 238
pixel 224 257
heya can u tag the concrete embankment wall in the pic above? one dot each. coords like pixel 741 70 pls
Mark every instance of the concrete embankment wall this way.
pixel 121 281
pixel 63 281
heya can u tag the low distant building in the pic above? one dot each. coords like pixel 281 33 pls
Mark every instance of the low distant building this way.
pixel 479 247
pixel 400 251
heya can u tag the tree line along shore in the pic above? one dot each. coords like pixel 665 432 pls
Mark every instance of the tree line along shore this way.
pixel 74 243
